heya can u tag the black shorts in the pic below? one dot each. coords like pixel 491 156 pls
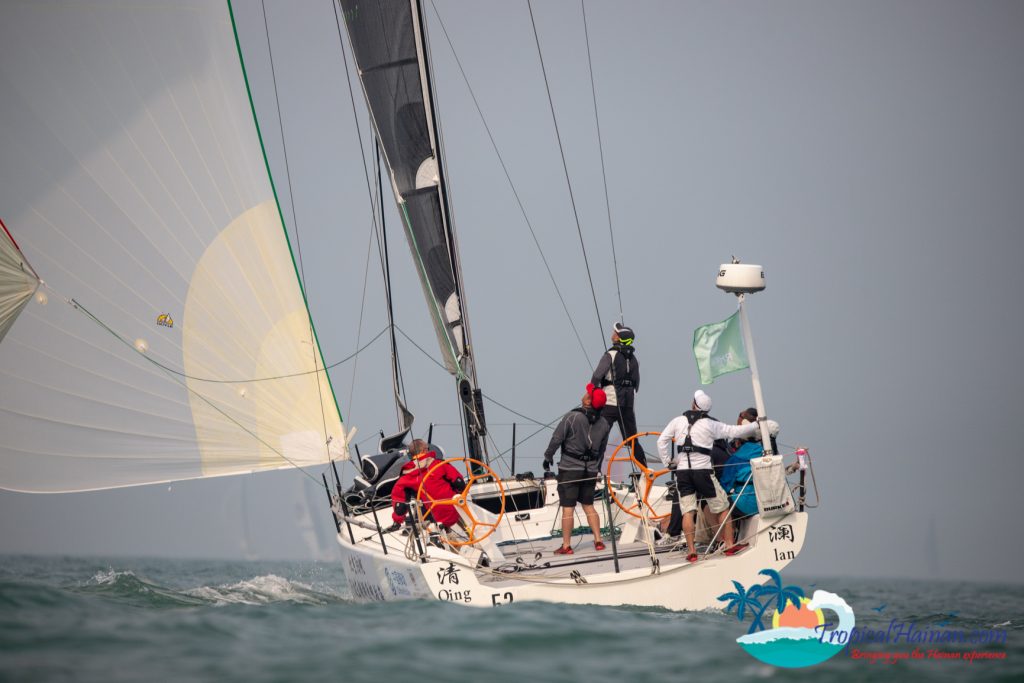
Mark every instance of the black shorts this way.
pixel 576 486
pixel 700 485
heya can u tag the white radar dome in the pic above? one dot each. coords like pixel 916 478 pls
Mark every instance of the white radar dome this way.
pixel 740 278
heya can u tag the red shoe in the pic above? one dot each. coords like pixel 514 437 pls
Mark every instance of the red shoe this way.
pixel 563 550
pixel 738 548
pixel 691 558
pixel 599 545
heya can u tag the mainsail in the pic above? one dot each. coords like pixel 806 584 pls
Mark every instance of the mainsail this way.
pixel 177 342
pixel 389 45
pixel 387 41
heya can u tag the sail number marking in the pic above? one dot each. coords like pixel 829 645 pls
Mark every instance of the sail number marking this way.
pixel 499 599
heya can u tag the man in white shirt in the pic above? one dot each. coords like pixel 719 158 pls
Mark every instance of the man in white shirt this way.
pixel 685 446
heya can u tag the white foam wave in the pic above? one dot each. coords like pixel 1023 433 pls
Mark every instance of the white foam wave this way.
pixel 261 590
pixel 111 576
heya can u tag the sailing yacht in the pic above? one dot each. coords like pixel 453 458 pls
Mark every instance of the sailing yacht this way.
pixel 155 324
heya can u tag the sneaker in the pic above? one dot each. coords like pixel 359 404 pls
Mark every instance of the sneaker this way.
pixel 670 540
pixel 562 550
pixel 738 548
pixel 599 545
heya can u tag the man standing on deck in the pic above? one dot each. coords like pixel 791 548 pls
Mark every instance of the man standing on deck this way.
pixel 583 436
pixel 618 373
pixel 685 446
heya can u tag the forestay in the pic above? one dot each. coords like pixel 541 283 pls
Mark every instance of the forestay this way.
pixel 176 342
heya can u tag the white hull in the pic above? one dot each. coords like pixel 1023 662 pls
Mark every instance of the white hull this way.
pixel 673 583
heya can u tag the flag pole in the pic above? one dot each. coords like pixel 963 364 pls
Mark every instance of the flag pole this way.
pixel 748 341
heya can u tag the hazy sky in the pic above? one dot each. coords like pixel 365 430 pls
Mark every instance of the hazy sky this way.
pixel 868 154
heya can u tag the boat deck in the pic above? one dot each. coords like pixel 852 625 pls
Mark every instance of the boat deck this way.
pixel 537 557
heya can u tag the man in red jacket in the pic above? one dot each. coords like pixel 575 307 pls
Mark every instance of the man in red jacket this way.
pixel 441 482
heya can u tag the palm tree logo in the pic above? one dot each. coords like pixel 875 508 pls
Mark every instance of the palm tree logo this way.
pixel 773 593
pixel 793 637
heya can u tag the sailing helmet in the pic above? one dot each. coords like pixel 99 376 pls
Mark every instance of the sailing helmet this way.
pixel 626 334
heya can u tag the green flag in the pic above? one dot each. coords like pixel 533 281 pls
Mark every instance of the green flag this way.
pixel 718 348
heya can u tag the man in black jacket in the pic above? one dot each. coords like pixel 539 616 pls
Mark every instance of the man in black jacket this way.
pixel 618 373
pixel 582 436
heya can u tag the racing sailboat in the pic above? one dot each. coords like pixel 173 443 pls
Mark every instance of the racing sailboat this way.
pixel 171 337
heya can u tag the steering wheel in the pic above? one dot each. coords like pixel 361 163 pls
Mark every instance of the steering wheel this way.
pixel 462 500
pixel 649 477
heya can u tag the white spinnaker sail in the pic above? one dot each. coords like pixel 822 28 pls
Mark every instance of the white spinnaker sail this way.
pixel 133 178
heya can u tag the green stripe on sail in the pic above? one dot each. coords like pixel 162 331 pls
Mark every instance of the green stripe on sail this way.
pixel 280 213
pixel 718 349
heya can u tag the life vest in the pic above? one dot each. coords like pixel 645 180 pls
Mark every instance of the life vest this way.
pixel 692 417
pixel 620 374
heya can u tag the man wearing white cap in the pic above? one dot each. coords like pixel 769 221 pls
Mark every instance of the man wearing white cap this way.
pixel 618 373
pixel 685 446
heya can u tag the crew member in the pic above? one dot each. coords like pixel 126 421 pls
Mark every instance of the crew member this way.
pixel 582 436
pixel 685 446
pixel 618 373
pixel 441 482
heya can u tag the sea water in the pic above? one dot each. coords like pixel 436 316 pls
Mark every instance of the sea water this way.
pixel 78 619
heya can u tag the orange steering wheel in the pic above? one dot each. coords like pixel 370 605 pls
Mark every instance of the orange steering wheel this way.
pixel 462 500
pixel 646 472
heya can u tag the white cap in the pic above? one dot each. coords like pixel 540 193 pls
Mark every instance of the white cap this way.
pixel 702 400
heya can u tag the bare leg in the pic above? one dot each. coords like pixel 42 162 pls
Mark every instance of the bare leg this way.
pixel 689 522
pixel 727 533
pixel 712 519
pixel 592 519
pixel 567 527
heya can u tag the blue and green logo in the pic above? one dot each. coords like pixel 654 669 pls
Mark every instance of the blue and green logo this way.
pixel 795 638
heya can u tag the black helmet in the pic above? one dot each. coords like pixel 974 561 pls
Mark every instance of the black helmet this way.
pixel 626 334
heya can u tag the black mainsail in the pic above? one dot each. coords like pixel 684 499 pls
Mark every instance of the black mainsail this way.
pixel 388 43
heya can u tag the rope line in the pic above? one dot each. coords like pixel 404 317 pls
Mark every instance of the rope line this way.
pixel 565 167
pixel 171 370
pixel 295 226
pixel 600 148
pixel 515 192
pixel 301 468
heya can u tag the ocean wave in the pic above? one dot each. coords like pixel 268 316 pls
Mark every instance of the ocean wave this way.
pixel 128 587
pixel 265 590
pixel 261 590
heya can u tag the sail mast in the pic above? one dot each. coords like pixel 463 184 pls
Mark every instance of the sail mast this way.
pixel 389 45
pixel 470 396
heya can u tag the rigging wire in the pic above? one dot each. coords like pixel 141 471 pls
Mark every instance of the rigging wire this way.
pixel 359 330
pixel 385 264
pixel 79 307
pixel 251 380
pixel 565 167
pixel 317 361
pixel 600 148
pixel 515 193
